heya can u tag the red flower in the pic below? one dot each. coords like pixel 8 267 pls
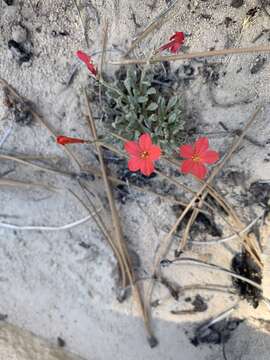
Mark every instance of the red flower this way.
pixel 64 140
pixel 142 154
pixel 197 155
pixel 176 42
pixel 87 60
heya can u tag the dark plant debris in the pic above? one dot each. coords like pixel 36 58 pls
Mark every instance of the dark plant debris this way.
pixel 258 64
pixel 199 304
pixel 3 317
pixel 20 110
pixel 237 3
pixel 19 53
pixel 203 224
pixel 61 342
pixel 260 191
pixel 243 264
pixel 9 2
pixel 218 333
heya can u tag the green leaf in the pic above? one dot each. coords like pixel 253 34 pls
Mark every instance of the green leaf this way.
pixel 172 102
pixel 172 118
pixel 152 118
pixel 152 107
pixel 128 85
pixel 151 91
pixel 142 99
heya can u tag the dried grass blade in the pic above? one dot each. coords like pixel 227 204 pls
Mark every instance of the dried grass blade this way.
pixel 193 55
pixel 118 233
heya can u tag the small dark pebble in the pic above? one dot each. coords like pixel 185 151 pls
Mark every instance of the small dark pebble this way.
pixel 258 64
pixel 253 11
pixel 18 52
pixel 22 115
pixel 122 294
pixel 228 21
pixel 206 16
pixel 84 245
pixel 9 2
pixel 237 3
pixel 3 317
pixel 59 33
pixel 188 70
pixel 152 341
pixel 199 304
pixel 239 70
pixel 61 342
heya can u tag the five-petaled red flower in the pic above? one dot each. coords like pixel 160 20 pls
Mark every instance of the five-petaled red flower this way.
pixel 142 154
pixel 64 140
pixel 197 156
pixel 88 61
pixel 176 42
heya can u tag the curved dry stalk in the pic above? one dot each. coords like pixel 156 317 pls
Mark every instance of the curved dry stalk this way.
pixel 231 237
pixel 190 261
pixel 193 55
pixel 45 228
pixel 218 318
pixel 191 221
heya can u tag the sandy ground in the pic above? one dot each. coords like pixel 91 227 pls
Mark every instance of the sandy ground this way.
pixel 52 285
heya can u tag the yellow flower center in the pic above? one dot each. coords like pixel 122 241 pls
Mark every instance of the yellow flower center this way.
pixel 144 155
pixel 196 157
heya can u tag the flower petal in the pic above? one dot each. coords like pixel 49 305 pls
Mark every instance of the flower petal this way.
pixel 145 142
pixel 210 157
pixel 83 57
pixel 147 167
pixel 87 60
pixel 132 147
pixel 201 145
pixel 186 151
pixel 180 36
pixel 187 166
pixel 175 47
pixel 134 164
pixel 166 46
pixel 199 170
pixel 154 153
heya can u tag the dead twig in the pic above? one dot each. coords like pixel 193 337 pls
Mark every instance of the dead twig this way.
pixel 118 231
